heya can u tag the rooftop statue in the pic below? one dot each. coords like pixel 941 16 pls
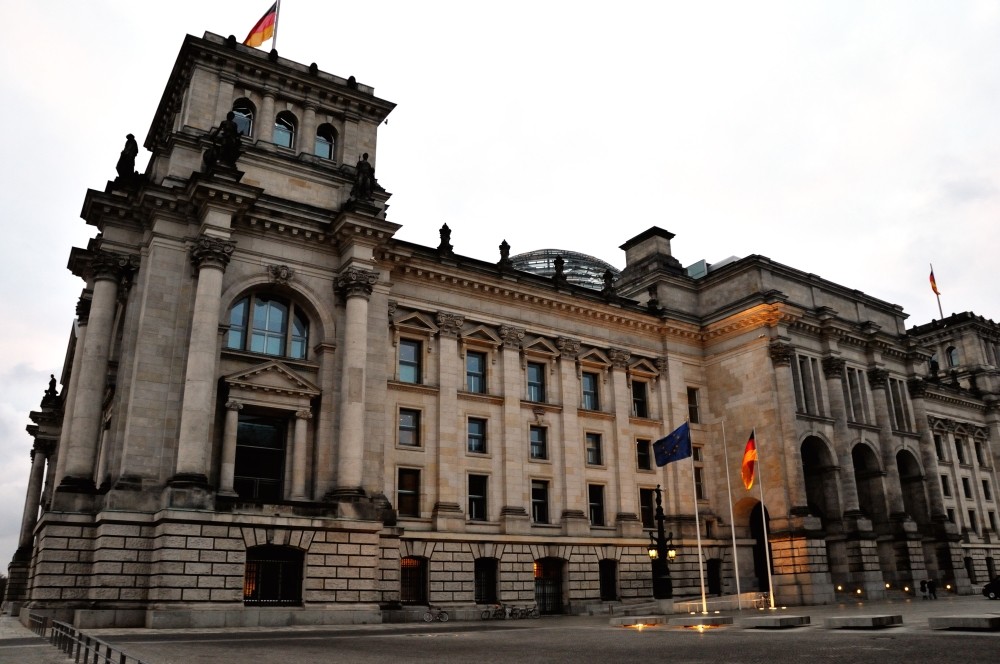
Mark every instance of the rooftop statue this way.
pixel 226 143
pixel 126 162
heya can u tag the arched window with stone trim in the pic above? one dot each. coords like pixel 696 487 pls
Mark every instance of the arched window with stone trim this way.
pixel 268 324
pixel 326 141
pixel 244 112
pixel 284 130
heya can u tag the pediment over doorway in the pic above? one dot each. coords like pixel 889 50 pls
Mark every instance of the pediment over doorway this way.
pixel 272 383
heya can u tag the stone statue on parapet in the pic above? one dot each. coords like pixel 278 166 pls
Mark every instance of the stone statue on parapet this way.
pixel 364 180
pixel 226 143
pixel 126 162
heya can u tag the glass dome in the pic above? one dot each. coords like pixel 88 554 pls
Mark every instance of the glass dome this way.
pixel 579 269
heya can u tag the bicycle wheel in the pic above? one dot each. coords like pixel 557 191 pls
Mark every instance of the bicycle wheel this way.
pixel 428 617
pixel 443 616
pixel 486 614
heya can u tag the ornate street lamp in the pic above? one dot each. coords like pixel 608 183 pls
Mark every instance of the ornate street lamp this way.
pixel 660 552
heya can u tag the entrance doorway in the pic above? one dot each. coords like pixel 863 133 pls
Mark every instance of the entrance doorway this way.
pixel 549 585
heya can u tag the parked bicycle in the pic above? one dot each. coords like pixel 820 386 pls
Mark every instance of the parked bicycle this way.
pixel 495 612
pixel 435 613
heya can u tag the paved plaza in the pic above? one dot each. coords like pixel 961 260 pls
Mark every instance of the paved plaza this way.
pixel 558 639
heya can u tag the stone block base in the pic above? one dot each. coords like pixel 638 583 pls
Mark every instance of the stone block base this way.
pixel 259 617
pixel 632 621
pixel 975 623
pixel 863 622
pixel 777 622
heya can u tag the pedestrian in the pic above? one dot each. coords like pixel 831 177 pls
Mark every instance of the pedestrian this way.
pixel 923 589
pixel 932 588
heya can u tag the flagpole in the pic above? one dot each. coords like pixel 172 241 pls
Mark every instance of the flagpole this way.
pixel 763 520
pixel 937 295
pixel 697 530
pixel 732 521
pixel 277 13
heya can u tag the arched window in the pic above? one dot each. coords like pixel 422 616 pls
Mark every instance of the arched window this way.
pixel 952 354
pixel 284 129
pixel 261 323
pixel 326 141
pixel 244 111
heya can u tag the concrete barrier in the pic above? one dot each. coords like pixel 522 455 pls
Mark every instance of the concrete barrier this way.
pixel 863 622
pixel 976 623
pixel 777 622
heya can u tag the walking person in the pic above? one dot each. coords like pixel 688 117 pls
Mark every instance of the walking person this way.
pixel 923 589
pixel 932 588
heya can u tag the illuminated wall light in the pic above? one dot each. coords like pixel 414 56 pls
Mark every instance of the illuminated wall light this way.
pixel 840 588
pixel 888 585
pixel 906 589
pixel 858 591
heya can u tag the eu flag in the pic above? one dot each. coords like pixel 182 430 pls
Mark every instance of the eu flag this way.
pixel 674 447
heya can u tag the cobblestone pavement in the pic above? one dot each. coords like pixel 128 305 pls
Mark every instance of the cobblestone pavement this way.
pixel 560 639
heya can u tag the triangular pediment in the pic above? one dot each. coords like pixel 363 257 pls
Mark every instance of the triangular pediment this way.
pixel 644 367
pixel 414 322
pixel 272 377
pixel 483 335
pixel 541 346
pixel 595 357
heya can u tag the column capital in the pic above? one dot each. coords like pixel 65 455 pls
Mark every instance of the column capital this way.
pixel 619 357
pixel 355 282
pixel 833 367
pixel 233 404
pixel 212 252
pixel 568 348
pixel 303 414
pixel 917 388
pixel 781 353
pixel 512 336
pixel 878 378
pixel 112 266
pixel 449 324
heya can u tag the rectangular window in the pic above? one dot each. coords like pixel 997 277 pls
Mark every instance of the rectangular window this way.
pixel 992 516
pixel 475 372
pixel 410 361
pixel 699 483
pixel 806 379
pixel 643 457
pixel 980 458
pixel 408 492
pixel 640 398
pixel 966 487
pixel 694 413
pixel 595 495
pixel 898 405
pixel 536 382
pixel 945 486
pixel 973 523
pixel 950 513
pixel 594 449
pixel 477 497
pixel 409 427
pixel 591 397
pixel 647 507
pixel 539 501
pixel 539 443
pixel 939 447
pixel 960 449
pixel 477 435
pixel 987 493
pixel 856 396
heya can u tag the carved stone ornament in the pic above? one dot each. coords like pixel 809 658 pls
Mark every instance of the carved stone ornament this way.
pixel 83 308
pixel 355 282
pixel 449 325
pixel 392 308
pixel 212 252
pixel 619 357
pixel 113 266
pixel 781 353
pixel 280 274
pixel 512 336
pixel 304 414
pixel 233 404
pixel 662 365
pixel 568 348
pixel 833 367
pixel 878 378
pixel 917 388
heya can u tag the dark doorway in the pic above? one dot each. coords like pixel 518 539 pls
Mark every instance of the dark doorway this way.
pixel 273 576
pixel 760 554
pixel 486 580
pixel 715 576
pixel 413 580
pixel 608 570
pixel 548 585
pixel 260 458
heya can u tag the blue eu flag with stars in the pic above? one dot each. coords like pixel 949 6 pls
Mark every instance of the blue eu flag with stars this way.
pixel 674 447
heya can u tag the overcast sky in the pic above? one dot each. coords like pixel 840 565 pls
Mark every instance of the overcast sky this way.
pixel 858 141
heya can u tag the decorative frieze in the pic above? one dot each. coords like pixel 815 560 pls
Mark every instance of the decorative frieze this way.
pixel 212 252
pixel 354 282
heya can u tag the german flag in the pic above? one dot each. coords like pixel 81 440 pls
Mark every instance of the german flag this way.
pixel 264 29
pixel 749 461
pixel 934 283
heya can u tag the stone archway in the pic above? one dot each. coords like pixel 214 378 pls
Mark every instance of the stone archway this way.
pixel 914 494
pixel 868 476
pixel 819 470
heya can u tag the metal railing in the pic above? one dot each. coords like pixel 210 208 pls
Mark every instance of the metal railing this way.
pixel 85 649
pixel 38 624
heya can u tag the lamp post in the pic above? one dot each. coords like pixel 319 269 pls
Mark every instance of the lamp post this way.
pixel 660 553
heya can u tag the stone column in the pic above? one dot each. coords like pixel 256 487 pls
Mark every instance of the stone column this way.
pixel 621 449
pixel 300 446
pixel 782 355
pixel 265 126
pixel 878 381
pixel 82 313
pixel 307 134
pixel 39 455
pixel 513 514
pixel 85 426
pixel 210 256
pixel 324 453
pixel 356 286
pixel 928 454
pixel 572 501
pixel 833 370
pixel 448 513
pixel 227 468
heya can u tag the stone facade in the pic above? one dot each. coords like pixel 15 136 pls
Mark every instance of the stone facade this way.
pixel 275 412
